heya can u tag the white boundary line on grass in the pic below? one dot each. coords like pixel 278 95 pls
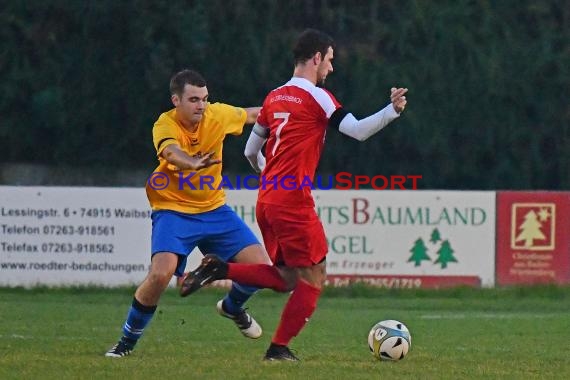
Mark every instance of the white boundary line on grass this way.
pixel 29 337
pixel 492 315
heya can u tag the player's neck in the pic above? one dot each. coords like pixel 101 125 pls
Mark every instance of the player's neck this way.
pixel 188 126
pixel 192 128
pixel 308 73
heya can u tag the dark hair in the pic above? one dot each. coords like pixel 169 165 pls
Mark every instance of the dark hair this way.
pixel 310 42
pixel 184 77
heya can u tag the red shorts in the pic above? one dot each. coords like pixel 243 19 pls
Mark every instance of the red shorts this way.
pixel 293 236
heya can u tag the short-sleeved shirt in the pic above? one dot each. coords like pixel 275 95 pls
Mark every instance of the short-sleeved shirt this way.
pixel 191 191
pixel 296 115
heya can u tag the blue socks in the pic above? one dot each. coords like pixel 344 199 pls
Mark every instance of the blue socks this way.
pixel 140 315
pixel 237 296
pixel 137 319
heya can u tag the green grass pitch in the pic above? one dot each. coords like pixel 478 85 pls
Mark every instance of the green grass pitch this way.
pixel 513 333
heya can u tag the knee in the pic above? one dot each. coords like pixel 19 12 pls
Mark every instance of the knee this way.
pixel 289 277
pixel 160 278
pixel 315 275
pixel 253 254
pixel 314 282
pixel 290 284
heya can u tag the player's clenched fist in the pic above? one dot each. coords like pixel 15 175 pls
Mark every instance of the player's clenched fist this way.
pixel 398 99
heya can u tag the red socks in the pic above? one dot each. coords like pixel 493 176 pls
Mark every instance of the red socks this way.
pixel 260 275
pixel 298 309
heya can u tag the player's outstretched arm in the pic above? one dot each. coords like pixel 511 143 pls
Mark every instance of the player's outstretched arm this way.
pixel 252 113
pixel 253 147
pixel 364 128
pixel 179 158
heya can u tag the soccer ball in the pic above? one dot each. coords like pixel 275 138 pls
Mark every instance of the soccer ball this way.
pixel 389 340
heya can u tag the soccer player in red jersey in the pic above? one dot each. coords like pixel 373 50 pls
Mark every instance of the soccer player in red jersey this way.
pixel 292 123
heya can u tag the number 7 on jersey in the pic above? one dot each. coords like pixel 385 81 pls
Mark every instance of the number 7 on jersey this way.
pixel 285 117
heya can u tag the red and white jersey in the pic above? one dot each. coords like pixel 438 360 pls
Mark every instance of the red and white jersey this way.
pixel 296 115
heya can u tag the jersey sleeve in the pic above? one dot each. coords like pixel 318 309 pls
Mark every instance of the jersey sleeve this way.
pixel 232 118
pixel 163 135
pixel 330 105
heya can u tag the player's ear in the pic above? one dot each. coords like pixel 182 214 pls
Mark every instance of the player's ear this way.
pixel 175 100
pixel 317 58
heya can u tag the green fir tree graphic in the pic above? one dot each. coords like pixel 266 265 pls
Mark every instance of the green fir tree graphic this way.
pixel 419 252
pixel 445 254
pixel 435 236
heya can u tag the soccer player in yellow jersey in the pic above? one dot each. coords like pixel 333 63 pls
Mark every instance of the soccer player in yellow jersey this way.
pixel 188 208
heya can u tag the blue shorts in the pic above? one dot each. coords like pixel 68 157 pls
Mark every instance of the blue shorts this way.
pixel 219 231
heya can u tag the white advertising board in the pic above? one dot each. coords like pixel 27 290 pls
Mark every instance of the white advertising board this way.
pixel 411 238
pixel 73 236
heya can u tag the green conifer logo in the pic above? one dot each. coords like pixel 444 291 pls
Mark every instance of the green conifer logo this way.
pixel 419 252
pixel 445 253
pixel 435 236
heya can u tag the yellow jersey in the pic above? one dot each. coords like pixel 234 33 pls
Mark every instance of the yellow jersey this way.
pixel 189 191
